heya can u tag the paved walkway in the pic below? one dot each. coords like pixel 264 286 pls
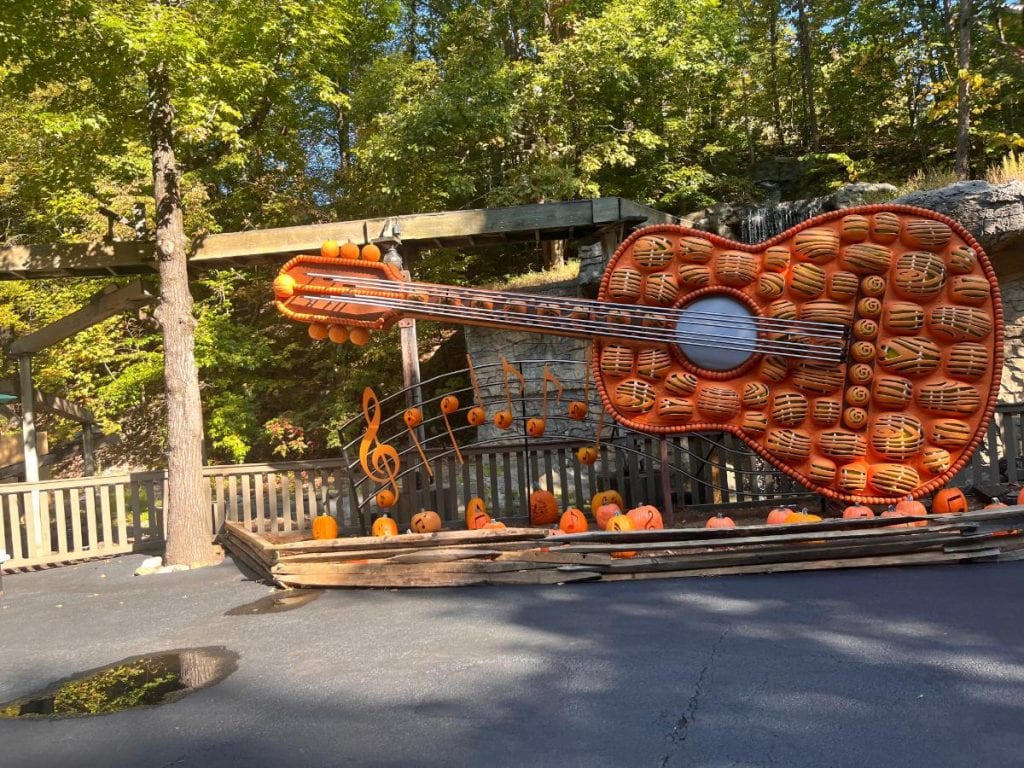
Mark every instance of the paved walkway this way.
pixel 891 667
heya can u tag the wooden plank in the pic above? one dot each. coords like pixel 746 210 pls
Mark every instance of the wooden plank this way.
pixel 122 521
pixel 76 520
pixel 4 545
pixel 90 519
pixel 105 517
pixel 45 515
pixel 441 538
pixel 388 580
pixel 259 488
pixel 13 524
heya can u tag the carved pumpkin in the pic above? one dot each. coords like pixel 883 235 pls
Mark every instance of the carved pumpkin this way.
pixel 495 525
pixel 349 250
pixel 577 410
pixel 503 419
pixel 426 521
pixel 587 454
pixel 573 521
pixel 720 521
pixel 384 526
pixel 621 523
pixel 536 427
pixel 778 516
pixel 325 527
pixel 476 416
pixel 412 417
pixel 604 514
pixel 858 512
pixel 386 498
pixel 803 516
pixel 543 508
pixel 476 514
pixel 646 518
pixel 449 404
pixel 949 501
pixel 606 497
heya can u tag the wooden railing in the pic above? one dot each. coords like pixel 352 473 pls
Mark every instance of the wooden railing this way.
pixel 65 520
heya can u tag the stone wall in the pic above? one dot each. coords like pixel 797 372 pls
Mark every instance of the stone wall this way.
pixel 1012 390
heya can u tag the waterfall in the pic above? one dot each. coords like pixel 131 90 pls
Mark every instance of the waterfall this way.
pixel 758 223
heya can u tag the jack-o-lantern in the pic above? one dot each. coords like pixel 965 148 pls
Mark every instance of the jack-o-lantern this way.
pixel 621 523
pixel 476 514
pixel 858 512
pixel 720 521
pixel 426 521
pixel 386 498
pixel 573 521
pixel 536 427
pixel 325 527
pixel 577 410
pixel 543 508
pixel 449 404
pixel 949 501
pixel 587 454
pixel 412 417
pixel 503 419
pixel 646 518
pixel 606 497
pixel 778 516
pixel 476 416
pixel 384 526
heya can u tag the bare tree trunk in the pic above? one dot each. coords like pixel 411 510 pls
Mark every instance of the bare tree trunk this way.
pixel 189 539
pixel 963 93
pixel 804 44
pixel 553 254
pixel 774 9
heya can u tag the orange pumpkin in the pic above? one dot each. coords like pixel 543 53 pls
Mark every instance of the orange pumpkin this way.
pixel 577 410
pixel 476 416
pixel 384 526
pixel 606 497
pixel 587 454
pixel 778 516
pixel 857 512
pixel 803 516
pixel 891 512
pixel 573 521
pixel 338 334
pixel 359 336
pixel 913 508
pixel 720 521
pixel 317 331
pixel 503 419
pixel 370 252
pixel 536 427
pixel 604 514
pixel 329 249
pixel 645 518
pixel 284 286
pixel 543 508
pixel 476 514
pixel 426 521
pixel 1020 496
pixel 449 404
pixel 349 250
pixel 495 525
pixel 325 527
pixel 621 523
pixel 386 498
pixel 949 501
pixel 995 504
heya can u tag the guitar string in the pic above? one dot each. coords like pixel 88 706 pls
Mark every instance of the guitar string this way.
pixel 572 305
pixel 805 351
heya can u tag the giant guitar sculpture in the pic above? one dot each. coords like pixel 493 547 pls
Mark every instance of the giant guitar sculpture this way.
pixel 860 352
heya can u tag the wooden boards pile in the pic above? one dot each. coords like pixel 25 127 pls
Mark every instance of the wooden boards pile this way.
pixel 539 556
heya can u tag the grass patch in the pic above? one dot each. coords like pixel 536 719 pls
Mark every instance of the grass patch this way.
pixel 569 271
pixel 928 178
pixel 1010 168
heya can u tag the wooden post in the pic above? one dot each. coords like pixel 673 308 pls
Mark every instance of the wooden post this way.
pixel 667 514
pixel 88 451
pixel 31 456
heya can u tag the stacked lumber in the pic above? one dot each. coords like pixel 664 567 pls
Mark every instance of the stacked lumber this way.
pixel 543 556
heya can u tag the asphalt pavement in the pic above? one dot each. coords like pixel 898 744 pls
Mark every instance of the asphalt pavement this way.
pixel 888 667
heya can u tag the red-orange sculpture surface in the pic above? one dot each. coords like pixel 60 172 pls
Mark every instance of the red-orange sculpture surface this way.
pixel 860 351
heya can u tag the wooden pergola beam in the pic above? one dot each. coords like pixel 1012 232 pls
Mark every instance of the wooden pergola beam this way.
pixel 51 403
pixel 540 221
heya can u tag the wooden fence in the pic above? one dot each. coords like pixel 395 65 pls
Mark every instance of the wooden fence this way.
pixel 99 516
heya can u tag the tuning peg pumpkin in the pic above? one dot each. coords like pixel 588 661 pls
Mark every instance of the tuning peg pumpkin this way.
pixel 536 427
pixel 317 331
pixel 338 334
pixel 577 410
pixel 412 417
pixel 503 419
pixel 449 404
pixel 359 336
pixel 349 250
pixel 329 249
pixel 476 416
pixel 370 252
pixel 587 454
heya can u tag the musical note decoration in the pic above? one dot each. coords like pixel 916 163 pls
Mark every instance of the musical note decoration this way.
pixel 476 416
pixel 578 409
pixel 413 417
pixel 588 454
pixel 503 419
pixel 536 427
pixel 380 461
pixel 449 405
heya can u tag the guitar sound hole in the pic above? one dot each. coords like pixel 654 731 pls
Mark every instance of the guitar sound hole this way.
pixel 717 333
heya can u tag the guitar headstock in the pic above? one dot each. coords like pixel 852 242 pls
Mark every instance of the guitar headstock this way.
pixel 322 290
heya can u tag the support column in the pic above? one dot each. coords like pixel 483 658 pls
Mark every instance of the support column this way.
pixel 88 451
pixel 30 455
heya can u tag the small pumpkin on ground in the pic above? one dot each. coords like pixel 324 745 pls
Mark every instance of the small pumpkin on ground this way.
pixel 858 512
pixel 621 522
pixel 778 516
pixel 573 521
pixel 720 521
pixel 949 501
pixel 543 508
pixel 426 521
pixel 913 508
pixel 384 526
pixel 325 527
pixel 646 518
pixel 604 513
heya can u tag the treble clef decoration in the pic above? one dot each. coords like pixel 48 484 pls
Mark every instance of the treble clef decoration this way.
pixel 379 461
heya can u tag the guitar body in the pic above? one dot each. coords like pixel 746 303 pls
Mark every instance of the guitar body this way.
pixel 898 415
pixel 860 352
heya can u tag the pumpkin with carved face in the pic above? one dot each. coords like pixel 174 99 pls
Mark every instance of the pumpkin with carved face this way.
pixel 543 508
pixel 426 521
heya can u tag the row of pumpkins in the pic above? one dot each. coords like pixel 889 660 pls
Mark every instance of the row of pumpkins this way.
pixel 608 510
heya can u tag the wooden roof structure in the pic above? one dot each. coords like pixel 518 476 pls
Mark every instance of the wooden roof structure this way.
pixel 571 220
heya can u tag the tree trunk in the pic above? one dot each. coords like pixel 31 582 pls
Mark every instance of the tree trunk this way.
pixel 189 539
pixel 774 9
pixel 963 93
pixel 810 131
pixel 553 254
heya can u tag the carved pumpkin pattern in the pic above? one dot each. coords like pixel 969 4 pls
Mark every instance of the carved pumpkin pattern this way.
pixel 543 508
pixel 949 501
pixel 426 521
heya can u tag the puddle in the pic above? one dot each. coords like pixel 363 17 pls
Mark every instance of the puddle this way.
pixel 276 603
pixel 139 681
